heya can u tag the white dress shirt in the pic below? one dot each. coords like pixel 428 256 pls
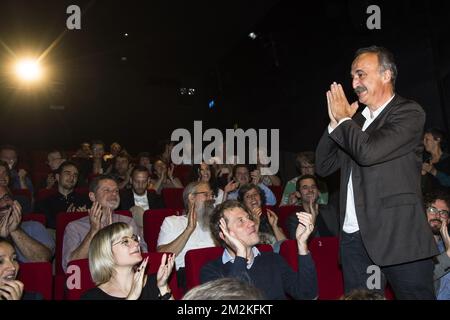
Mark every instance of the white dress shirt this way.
pixel 350 220
pixel 141 201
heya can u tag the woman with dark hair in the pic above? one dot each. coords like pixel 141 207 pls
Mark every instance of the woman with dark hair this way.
pixel 254 200
pixel 10 287
pixel 206 173
pixel 436 165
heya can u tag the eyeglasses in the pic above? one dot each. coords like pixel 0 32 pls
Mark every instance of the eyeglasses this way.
pixel 126 241
pixel 442 213
pixel 206 193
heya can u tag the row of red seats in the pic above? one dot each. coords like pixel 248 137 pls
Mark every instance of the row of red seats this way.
pixel 153 220
pixel 324 252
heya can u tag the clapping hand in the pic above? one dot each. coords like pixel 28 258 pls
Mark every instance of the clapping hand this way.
pixel 445 236
pixel 234 243
pixel 95 216
pixel 338 106
pixel 164 271
pixel 139 279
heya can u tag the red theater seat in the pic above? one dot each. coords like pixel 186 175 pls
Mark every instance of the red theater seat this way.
pixel 173 197
pixel 37 277
pixel 153 220
pixel 325 254
pixel 278 192
pixel 183 172
pixel 283 213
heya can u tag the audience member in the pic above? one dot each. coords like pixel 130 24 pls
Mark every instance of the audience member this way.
pixel 31 240
pixel 10 287
pixel 180 234
pixel 104 194
pixel 117 268
pixel 232 225
pixel 66 199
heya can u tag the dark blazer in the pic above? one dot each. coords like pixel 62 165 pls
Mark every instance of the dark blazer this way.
pixel 385 161
pixel 127 200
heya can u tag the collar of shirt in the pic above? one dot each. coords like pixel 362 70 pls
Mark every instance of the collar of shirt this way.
pixel 226 257
pixel 68 197
pixel 144 196
pixel 367 113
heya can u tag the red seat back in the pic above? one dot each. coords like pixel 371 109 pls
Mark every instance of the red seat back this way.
pixel 173 197
pixel 35 217
pixel 153 220
pixel 42 194
pixel 283 213
pixel 195 259
pixel 183 172
pixel 81 267
pixel 325 252
pixel 62 220
pixel 278 192
pixel 82 190
pixel 37 277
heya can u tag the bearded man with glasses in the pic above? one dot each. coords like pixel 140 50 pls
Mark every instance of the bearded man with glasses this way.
pixel 179 234
pixel 437 206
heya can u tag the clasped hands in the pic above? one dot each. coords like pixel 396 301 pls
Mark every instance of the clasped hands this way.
pixel 338 106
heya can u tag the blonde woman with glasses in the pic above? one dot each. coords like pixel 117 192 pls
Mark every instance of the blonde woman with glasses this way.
pixel 117 268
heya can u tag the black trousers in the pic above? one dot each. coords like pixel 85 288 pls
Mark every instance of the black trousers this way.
pixel 409 281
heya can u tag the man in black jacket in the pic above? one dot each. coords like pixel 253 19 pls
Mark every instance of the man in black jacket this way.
pixel 138 198
pixel 379 152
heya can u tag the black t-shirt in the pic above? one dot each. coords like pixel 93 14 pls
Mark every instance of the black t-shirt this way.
pixel 57 203
pixel 149 292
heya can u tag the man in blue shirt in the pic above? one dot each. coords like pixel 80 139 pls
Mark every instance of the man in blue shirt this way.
pixel 233 227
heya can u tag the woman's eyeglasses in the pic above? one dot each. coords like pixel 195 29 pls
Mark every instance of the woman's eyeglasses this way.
pixel 126 241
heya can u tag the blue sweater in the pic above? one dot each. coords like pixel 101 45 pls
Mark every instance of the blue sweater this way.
pixel 270 273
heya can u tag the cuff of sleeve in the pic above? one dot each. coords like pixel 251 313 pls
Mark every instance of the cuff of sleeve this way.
pixel 330 130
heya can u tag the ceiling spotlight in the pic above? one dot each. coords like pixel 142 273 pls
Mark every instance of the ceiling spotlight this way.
pixel 28 70
pixel 125 34
pixel 252 35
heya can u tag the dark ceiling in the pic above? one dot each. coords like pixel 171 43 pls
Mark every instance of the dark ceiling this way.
pixel 103 84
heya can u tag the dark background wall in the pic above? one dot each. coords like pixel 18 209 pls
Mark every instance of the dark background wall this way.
pixel 277 80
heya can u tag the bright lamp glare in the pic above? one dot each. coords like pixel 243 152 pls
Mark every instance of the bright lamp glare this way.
pixel 28 70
